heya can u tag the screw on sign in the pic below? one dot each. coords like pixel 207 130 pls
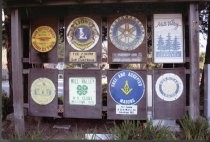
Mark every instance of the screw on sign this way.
pixel 82 33
pixel 43 39
pixel 126 87
pixel 127 33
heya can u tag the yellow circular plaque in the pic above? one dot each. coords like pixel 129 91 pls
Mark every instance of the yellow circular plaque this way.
pixel 43 91
pixel 43 38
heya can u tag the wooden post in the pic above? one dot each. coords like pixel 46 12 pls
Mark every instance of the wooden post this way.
pixel 194 110
pixel 17 76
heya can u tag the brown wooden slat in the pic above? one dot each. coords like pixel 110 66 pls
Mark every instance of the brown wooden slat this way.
pixel 33 3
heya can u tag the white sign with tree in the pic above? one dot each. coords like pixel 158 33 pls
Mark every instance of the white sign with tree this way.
pixel 168 38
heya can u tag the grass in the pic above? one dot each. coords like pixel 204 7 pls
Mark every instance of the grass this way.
pixel 195 129
pixel 134 130
pixel 124 130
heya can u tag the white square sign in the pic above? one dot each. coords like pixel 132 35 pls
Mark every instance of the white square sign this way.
pixel 126 109
pixel 82 91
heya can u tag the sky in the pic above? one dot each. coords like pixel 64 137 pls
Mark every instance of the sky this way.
pixel 202 43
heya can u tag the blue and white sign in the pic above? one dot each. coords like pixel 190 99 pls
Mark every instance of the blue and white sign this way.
pixel 126 87
pixel 127 33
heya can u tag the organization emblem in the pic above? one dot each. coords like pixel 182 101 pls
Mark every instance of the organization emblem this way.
pixel 43 91
pixel 169 87
pixel 126 87
pixel 83 33
pixel 43 38
pixel 127 33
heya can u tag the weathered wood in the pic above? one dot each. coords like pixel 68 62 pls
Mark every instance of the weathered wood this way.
pixel 31 3
pixel 194 57
pixel 17 76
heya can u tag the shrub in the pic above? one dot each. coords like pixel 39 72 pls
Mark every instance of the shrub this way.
pixel 6 106
pixel 194 129
pixel 134 130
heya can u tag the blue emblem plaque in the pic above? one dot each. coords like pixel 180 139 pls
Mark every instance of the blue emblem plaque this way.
pixel 126 87
pixel 127 33
pixel 83 33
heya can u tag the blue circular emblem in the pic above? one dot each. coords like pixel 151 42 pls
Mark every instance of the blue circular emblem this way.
pixel 126 87
pixel 127 33
pixel 82 34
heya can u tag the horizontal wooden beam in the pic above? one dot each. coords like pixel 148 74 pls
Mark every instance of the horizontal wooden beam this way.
pixel 32 3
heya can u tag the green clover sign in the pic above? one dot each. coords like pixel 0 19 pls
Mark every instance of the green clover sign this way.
pixel 82 89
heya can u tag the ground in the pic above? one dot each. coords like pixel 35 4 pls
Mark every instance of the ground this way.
pixel 57 129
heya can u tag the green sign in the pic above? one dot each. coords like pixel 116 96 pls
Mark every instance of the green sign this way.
pixel 82 91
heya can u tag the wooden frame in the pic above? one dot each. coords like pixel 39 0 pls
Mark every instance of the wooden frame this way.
pixel 139 52
pixel 169 109
pixel 17 45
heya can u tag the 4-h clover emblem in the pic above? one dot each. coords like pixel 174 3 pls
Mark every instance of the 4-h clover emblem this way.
pixel 82 89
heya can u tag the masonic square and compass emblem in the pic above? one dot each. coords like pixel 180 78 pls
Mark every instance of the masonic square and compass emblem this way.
pixel 126 33
pixel 82 33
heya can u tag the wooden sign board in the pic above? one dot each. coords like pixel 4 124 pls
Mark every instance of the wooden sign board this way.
pixel 126 97
pixel 43 40
pixel 168 38
pixel 83 39
pixel 43 100
pixel 127 39
pixel 82 89
pixel 169 93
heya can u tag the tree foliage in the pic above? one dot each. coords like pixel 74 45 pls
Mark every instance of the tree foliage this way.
pixel 203 17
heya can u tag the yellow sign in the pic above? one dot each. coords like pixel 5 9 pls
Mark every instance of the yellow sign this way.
pixel 43 38
pixel 82 56
pixel 43 91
